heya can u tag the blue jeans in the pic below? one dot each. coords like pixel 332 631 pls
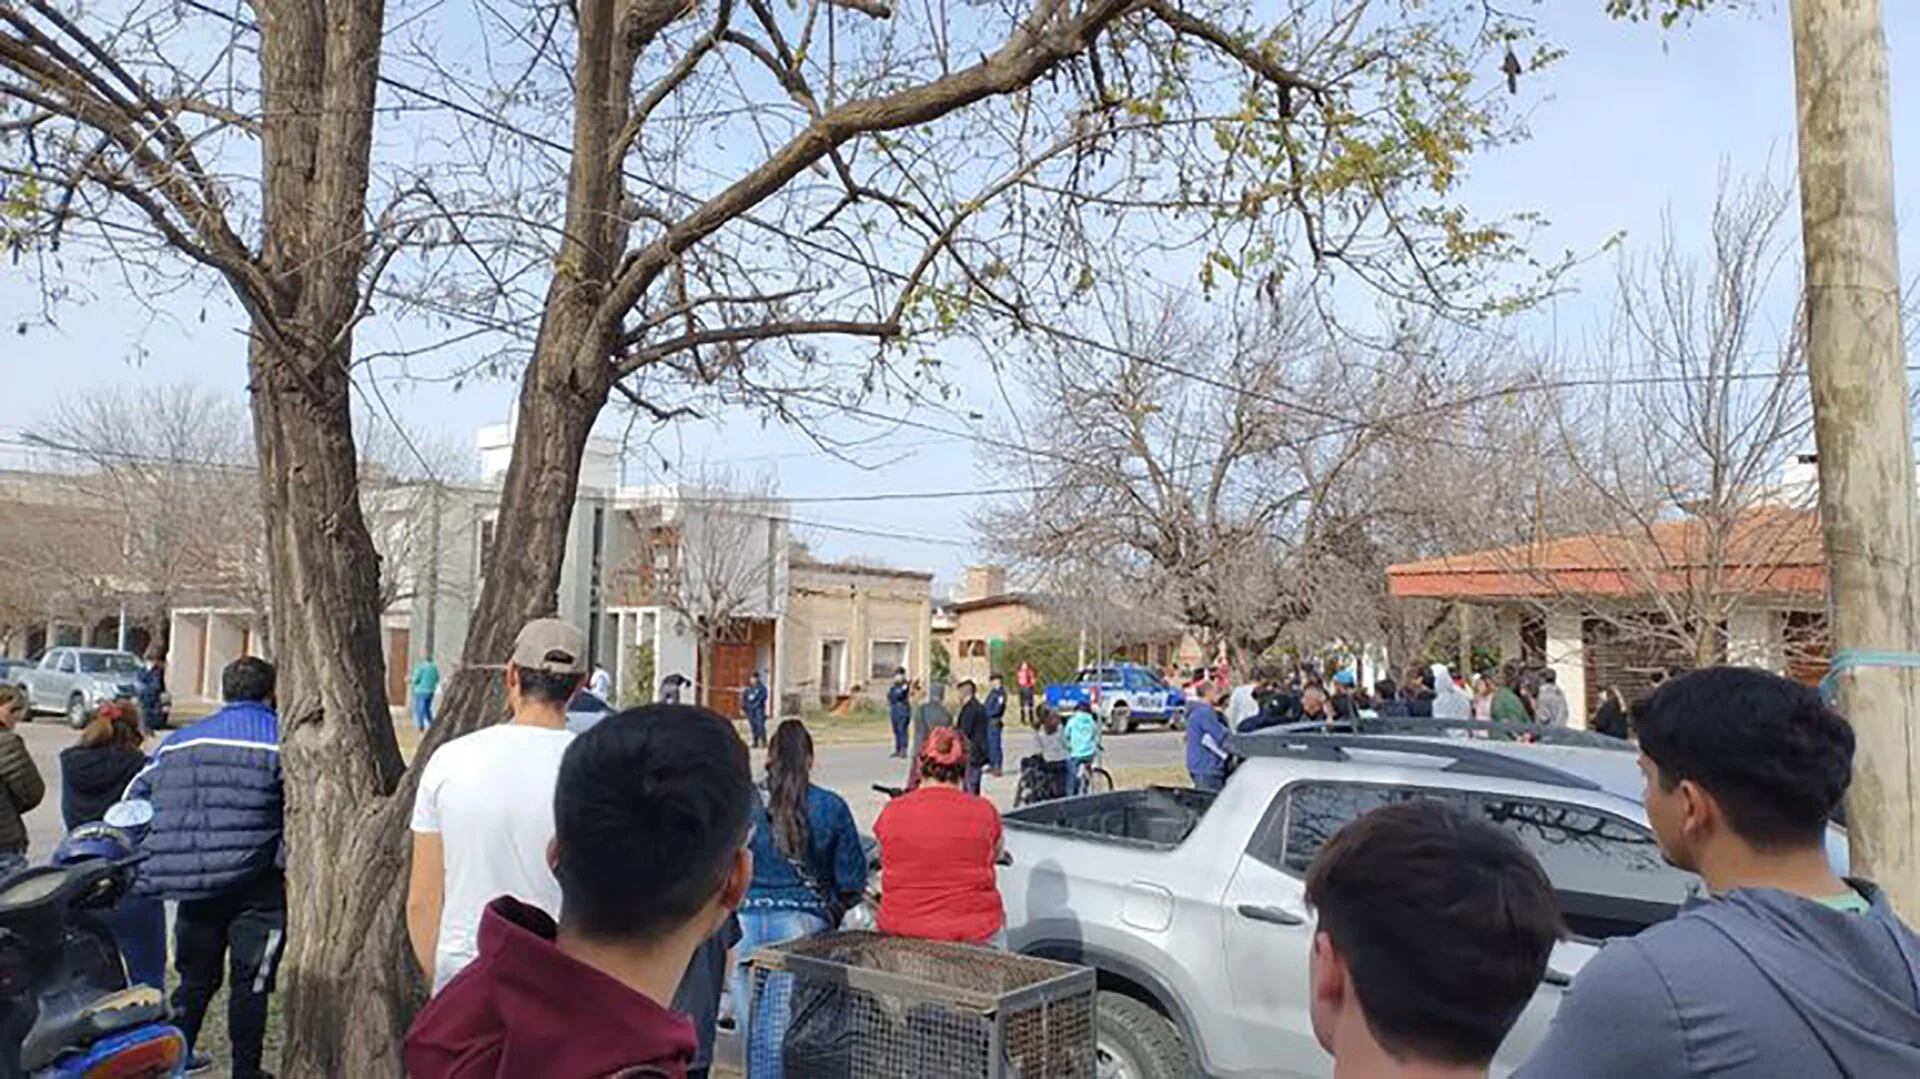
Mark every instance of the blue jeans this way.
pixel 763 1027
pixel 757 724
pixel 1076 776
pixel 139 928
pixel 900 723
pixel 1209 781
pixel 422 711
pixel 994 758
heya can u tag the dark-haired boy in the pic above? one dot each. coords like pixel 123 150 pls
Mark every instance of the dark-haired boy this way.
pixel 1434 931
pixel 651 819
pixel 483 816
pixel 1787 969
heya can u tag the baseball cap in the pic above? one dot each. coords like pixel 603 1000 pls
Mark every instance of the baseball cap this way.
pixel 551 645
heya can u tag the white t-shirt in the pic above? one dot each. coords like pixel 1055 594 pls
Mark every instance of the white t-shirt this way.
pixel 1242 704
pixel 489 795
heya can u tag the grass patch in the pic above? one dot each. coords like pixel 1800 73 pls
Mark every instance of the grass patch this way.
pixel 1156 775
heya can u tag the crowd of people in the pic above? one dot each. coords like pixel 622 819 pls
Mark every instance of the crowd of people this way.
pixel 588 903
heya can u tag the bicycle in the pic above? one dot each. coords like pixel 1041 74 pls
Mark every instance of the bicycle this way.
pixel 1038 782
pixel 1093 778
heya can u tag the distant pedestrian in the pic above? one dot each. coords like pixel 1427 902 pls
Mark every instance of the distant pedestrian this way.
pixel 1611 717
pixel 1550 708
pixel 973 723
pixel 94 773
pixel 600 684
pixel 938 846
pixel 215 848
pixel 1343 703
pixel 932 715
pixel 753 704
pixel 1050 745
pixel 651 815
pixel 1244 703
pixel 483 816
pixel 1387 701
pixel 1507 705
pixel 1483 691
pixel 1083 746
pixel 1023 678
pixel 1207 756
pixel 422 685
pixel 900 710
pixel 21 787
pixel 1449 700
pixel 670 688
pixel 156 705
pixel 808 868
pixel 996 706
pixel 1780 966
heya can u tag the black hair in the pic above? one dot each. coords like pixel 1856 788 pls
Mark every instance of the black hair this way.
pixel 552 687
pixel 248 678
pixel 649 810
pixel 789 760
pixel 1774 756
pixel 1445 924
pixel 1385 690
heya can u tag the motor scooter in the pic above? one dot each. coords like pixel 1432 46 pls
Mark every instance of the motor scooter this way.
pixel 66 1008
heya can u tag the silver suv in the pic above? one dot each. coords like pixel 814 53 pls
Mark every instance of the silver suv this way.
pixel 1191 906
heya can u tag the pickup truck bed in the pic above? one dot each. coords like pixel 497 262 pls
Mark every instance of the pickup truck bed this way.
pixel 1157 818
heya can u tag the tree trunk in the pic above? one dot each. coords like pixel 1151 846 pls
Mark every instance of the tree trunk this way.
pixel 560 397
pixel 348 974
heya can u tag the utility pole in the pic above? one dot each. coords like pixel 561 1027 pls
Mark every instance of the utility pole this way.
pixel 1857 367
pixel 433 572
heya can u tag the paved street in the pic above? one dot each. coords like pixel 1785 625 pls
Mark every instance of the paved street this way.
pixel 854 769
pixel 850 769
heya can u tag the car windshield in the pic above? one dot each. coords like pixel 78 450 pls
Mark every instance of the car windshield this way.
pixel 109 662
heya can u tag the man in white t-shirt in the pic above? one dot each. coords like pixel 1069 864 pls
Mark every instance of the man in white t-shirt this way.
pixel 483 816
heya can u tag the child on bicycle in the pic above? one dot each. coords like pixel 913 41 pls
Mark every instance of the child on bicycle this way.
pixel 1083 747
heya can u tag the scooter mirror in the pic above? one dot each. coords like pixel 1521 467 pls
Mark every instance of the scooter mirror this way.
pixel 133 813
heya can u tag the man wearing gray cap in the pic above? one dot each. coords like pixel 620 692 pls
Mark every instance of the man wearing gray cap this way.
pixel 483 816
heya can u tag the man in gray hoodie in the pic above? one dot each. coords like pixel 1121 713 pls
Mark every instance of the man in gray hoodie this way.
pixel 1787 969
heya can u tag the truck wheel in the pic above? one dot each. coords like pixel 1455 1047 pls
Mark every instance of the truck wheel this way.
pixel 76 711
pixel 1120 720
pixel 1132 1041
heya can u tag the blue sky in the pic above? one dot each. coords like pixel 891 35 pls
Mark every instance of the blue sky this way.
pixel 1632 123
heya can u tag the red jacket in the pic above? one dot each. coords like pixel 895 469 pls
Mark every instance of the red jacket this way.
pixel 525 1008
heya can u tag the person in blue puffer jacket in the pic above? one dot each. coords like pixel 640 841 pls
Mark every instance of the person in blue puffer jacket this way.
pixel 215 847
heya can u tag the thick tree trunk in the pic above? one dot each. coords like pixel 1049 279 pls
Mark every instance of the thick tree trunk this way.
pixel 347 977
pixel 560 397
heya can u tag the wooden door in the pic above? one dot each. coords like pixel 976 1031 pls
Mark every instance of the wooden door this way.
pixel 732 663
pixel 399 647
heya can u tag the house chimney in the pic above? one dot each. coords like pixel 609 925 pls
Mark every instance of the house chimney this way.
pixel 984 581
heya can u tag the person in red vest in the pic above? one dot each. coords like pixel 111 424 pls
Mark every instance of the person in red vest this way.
pixel 1024 679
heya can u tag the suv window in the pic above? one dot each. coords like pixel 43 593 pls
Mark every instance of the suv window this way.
pixel 1306 815
pixel 1607 870
pixel 66 662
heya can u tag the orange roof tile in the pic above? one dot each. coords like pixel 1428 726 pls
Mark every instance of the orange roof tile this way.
pixel 1770 549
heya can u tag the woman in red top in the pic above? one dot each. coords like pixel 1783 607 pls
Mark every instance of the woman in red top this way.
pixel 938 848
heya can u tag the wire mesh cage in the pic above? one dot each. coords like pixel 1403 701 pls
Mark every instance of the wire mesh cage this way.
pixel 858 1005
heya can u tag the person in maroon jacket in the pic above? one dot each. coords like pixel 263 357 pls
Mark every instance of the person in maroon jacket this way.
pixel 652 811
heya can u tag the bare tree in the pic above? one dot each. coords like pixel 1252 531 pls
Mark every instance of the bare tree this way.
pixel 731 534
pixel 1679 447
pixel 1200 461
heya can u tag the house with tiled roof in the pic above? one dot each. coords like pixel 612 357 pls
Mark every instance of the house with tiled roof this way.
pixel 1572 602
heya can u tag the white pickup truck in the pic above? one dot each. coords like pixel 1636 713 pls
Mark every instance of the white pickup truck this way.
pixel 1191 906
pixel 75 681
